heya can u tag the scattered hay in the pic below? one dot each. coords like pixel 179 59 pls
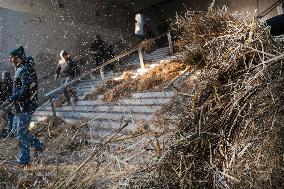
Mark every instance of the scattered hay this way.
pixel 117 157
pixel 58 103
pixel 155 79
pixel 7 177
pixel 64 142
pixel 127 75
pixel 62 136
pixel 109 84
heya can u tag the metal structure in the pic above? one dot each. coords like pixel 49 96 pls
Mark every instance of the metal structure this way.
pixel 269 9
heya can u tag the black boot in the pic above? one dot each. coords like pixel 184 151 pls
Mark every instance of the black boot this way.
pixel 4 133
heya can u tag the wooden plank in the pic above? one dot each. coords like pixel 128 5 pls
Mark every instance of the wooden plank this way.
pixel 170 43
pixel 141 59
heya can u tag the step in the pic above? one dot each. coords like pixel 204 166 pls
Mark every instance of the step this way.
pixel 154 57
pixel 78 90
pixel 87 89
pixel 106 122
pixel 101 135
pixel 146 102
pixel 97 115
pixel 98 127
pixel 80 95
pixel 164 49
pixel 148 95
pixel 149 59
pixel 81 89
pixel 36 118
pixel 107 108
pixel 90 81
pixel 159 54
pixel 112 125
pixel 88 84
pixel 156 61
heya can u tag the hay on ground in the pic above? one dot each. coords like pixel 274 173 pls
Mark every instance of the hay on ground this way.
pixel 154 80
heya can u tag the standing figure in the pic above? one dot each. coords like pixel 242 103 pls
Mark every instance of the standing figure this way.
pixel 6 91
pixel 148 34
pixel 101 50
pixel 163 28
pixel 67 70
pixel 25 101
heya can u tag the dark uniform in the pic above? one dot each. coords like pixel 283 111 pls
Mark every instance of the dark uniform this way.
pixel 25 100
pixel 101 51
pixel 6 91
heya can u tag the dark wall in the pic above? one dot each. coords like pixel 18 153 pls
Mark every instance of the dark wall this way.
pixel 168 9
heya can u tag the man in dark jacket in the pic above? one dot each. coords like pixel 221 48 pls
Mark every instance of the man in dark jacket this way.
pixel 25 101
pixel 67 70
pixel 101 50
pixel 6 91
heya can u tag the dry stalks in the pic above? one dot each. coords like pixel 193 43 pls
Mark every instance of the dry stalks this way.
pixel 230 133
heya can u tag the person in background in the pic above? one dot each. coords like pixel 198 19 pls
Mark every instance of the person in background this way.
pixel 101 50
pixel 6 87
pixel 67 70
pixel 162 29
pixel 148 34
pixel 24 101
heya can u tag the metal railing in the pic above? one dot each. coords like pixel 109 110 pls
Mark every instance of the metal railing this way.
pixel 101 67
pixel 269 9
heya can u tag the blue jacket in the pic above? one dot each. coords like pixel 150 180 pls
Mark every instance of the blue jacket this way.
pixel 25 88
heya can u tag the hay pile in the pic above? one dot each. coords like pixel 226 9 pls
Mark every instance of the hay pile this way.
pixel 155 79
pixel 231 133
pixel 101 89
